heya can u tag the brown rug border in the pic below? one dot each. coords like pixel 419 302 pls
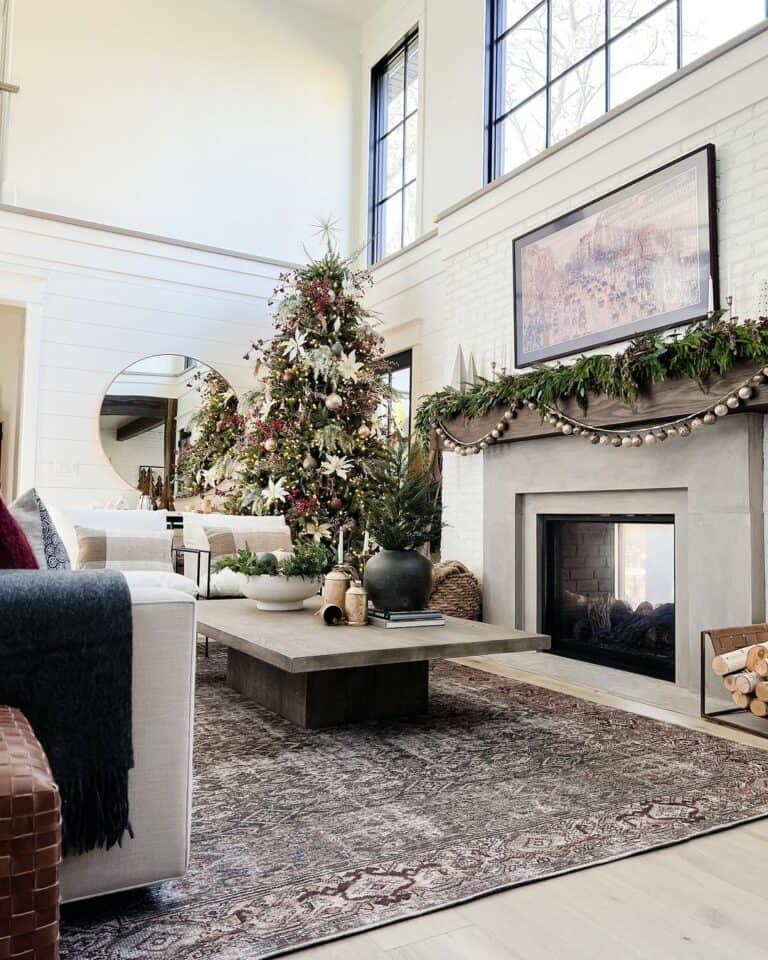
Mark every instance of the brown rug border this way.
pixel 500 888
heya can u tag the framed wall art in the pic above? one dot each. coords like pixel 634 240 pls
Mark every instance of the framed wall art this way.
pixel 640 258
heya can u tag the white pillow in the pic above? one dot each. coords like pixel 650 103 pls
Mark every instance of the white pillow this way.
pixel 141 579
pixel 66 520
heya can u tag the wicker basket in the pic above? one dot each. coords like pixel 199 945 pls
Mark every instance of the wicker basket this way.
pixel 30 844
pixel 456 591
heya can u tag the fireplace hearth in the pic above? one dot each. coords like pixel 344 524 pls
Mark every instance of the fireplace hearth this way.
pixel 608 590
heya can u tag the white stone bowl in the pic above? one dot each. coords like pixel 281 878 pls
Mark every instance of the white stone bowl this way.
pixel 279 593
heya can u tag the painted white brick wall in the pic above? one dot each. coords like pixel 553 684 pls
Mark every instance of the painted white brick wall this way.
pixel 466 297
pixel 463 511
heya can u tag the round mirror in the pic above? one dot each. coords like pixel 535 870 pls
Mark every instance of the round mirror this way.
pixel 148 414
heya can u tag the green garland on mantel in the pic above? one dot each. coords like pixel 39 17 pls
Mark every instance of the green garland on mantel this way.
pixel 711 346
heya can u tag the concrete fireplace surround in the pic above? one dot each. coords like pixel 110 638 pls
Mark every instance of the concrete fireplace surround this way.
pixel 713 484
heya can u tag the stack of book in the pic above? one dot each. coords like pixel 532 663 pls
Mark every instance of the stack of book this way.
pixel 390 619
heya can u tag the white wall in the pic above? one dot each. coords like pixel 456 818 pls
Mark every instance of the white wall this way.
pixel 11 354
pixel 456 285
pixel 232 123
pixel 97 302
pixel 452 58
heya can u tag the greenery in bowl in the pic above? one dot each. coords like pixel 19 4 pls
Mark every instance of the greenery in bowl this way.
pixel 406 513
pixel 308 560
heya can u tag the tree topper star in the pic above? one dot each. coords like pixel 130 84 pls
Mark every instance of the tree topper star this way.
pixel 327 229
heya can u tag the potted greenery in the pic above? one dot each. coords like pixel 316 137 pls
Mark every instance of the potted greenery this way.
pixel 403 517
pixel 281 581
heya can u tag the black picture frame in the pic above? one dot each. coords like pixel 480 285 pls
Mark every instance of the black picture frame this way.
pixel 704 268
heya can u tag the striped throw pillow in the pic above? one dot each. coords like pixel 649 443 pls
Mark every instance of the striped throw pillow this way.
pixel 225 542
pixel 124 550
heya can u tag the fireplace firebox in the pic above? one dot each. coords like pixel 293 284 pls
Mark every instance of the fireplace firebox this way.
pixel 608 590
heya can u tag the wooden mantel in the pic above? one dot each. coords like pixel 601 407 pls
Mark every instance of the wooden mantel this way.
pixel 662 402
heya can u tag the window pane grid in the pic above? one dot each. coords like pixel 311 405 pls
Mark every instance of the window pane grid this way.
pixel 630 45
pixel 394 193
pixel 394 146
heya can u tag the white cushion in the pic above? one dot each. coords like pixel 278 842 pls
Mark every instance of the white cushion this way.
pixel 66 521
pixel 141 580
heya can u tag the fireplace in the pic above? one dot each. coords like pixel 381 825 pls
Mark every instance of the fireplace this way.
pixel 608 590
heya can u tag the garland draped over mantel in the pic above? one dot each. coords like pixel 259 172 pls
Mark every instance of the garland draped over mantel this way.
pixel 712 346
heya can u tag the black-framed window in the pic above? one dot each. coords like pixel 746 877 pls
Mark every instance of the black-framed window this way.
pixel 394 148
pixel 395 412
pixel 553 66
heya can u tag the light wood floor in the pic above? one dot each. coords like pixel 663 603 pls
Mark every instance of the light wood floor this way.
pixel 697 900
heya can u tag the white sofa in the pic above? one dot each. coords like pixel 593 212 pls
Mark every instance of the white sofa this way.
pixel 160 785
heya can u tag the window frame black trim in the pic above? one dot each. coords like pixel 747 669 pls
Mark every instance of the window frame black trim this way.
pixel 492 164
pixel 402 360
pixel 377 137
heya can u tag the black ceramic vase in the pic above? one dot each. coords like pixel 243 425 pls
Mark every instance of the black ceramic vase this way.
pixel 398 580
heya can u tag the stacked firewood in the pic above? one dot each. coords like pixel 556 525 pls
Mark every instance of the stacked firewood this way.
pixel 745 675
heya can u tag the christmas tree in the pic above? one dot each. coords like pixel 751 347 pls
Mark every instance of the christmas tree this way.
pixel 310 446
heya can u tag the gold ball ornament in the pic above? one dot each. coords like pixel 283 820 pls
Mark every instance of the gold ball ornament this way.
pixel 289 376
pixel 732 402
pixel 684 430
pixel 616 442
pixel 637 440
pixel 709 418
pixel 721 410
pixel 336 504
pixel 567 429
pixel 697 423
pixel 309 462
pixel 333 402
pixel 364 431
pixel 650 439
pixel 745 392
pixel 626 441
pixel 270 444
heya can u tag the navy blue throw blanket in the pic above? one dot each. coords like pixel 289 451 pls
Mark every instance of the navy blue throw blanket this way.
pixel 66 651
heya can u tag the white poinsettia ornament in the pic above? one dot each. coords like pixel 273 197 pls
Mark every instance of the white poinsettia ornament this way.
pixel 336 466
pixel 348 366
pixel 274 492
pixel 294 348
pixel 318 531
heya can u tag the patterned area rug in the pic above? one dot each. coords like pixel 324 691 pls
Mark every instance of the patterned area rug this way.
pixel 303 836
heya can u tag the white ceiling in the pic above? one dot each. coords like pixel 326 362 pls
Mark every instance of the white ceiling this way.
pixel 355 10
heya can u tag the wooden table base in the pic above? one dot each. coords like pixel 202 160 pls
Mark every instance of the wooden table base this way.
pixel 324 698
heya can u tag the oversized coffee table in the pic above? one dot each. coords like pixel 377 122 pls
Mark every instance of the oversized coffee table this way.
pixel 318 676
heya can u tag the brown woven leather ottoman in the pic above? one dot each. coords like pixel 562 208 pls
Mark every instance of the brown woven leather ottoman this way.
pixel 30 845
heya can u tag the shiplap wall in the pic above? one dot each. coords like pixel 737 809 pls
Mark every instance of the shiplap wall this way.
pixel 102 301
